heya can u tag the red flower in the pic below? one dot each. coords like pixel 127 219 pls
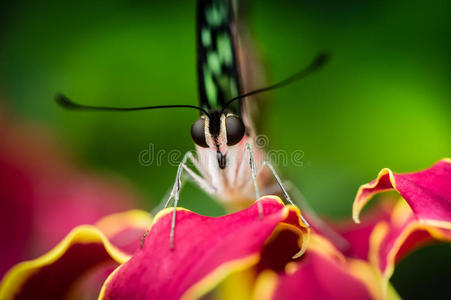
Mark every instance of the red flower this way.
pixel 243 256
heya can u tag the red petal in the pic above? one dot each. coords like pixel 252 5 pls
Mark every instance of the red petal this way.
pixel 358 235
pixel 427 192
pixel 393 239
pixel 80 263
pixel 388 233
pixel 322 273
pixel 206 250
pixel 43 195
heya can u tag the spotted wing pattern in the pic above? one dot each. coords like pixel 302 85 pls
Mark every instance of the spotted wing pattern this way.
pixel 218 76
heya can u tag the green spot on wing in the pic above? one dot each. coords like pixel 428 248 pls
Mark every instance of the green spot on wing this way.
pixel 228 86
pixel 210 88
pixel 225 49
pixel 233 89
pixel 206 37
pixel 213 63
pixel 216 14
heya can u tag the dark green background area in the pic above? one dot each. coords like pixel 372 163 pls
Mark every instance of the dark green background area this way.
pixel 382 101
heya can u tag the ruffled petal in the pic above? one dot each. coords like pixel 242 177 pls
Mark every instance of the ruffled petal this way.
pixel 43 195
pixel 87 251
pixel 206 250
pixel 425 215
pixel 322 273
pixel 125 230
pixel 387 233
pixel 393 239
pixel 427 192
pixel 358 235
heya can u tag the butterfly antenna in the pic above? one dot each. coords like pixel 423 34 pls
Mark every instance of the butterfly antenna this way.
pixel 320 60
pixel 65 102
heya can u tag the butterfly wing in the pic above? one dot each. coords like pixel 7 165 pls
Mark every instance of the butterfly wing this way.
pixel 218 77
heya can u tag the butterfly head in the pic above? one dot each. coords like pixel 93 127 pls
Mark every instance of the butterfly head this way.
pixel 218 130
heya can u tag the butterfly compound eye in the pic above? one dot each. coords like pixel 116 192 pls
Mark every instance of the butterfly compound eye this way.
pixel 198 133
pixel 235 130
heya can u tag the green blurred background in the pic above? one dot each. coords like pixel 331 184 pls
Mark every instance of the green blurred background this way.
pixel 383 101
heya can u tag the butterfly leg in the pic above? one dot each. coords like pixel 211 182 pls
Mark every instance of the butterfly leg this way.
pixel 281 185
pixel 317 221
pixel 175 191
pixel 273 189
pixel 254 179
pixel 177 187
pixel 201 182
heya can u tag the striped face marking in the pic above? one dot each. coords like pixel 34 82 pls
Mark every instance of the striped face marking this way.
pixel 218 131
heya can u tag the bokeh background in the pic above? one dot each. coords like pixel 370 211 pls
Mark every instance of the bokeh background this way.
pixel 382 101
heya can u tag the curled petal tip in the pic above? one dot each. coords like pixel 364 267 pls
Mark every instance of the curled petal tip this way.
pixel 427 192
pixel 299 254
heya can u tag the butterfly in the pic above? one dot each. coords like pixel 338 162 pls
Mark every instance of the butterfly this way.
pixel 226 164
